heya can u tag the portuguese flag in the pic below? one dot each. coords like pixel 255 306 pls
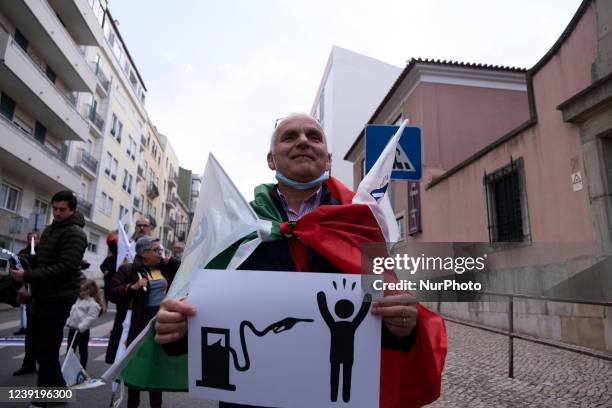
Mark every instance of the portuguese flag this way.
pixel 226 230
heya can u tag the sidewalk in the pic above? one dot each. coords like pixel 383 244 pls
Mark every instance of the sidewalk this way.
pixel 476 374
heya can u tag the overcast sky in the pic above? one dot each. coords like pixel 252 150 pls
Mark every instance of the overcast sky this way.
pixel 219 73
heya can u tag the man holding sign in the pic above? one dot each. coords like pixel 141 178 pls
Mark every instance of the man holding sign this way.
pixel 304 198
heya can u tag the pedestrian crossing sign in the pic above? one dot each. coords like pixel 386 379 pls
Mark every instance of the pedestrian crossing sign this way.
pixel 408 158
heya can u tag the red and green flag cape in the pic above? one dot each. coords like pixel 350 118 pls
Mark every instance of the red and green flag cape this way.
pixel 337 232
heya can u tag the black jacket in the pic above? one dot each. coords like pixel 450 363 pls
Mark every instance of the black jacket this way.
pixel 275 256
pixel 58 261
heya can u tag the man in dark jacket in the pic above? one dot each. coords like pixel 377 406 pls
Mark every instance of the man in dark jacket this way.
pixel 55 283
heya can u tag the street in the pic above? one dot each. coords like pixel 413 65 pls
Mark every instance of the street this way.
pixel 12 357
pixel 475 374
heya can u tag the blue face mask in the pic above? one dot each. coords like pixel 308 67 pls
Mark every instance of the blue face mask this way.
pixel 298 185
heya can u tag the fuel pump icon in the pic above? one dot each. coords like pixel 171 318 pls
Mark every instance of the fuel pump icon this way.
pixel 216 351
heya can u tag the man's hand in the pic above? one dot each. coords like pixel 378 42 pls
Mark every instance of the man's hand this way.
pixel 140 283
pixel 399 313
pixel 17 274
pixel 171 320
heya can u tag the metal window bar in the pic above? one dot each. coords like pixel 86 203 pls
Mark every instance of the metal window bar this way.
pixel 504 209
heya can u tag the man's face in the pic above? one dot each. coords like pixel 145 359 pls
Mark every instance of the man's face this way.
pixel 177 251
pixel 61 211
pixel 153 256
pixel 300 149
pixel 143 228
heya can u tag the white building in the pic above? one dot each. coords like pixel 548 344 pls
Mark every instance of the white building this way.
pixel 43 73
pixel 352 86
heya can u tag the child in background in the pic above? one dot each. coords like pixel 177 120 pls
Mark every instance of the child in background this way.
pixel 87 308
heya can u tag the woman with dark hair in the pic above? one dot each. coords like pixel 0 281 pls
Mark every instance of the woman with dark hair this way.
pixel 109 265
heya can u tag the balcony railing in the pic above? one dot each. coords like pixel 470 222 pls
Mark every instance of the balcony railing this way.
pixel 88 161
pixel 70 100
pixel 173 180
pixel 170 200
pixel 28 133
pixel 94 118
pixel 84 207
pixel 152 190
pixel 102 79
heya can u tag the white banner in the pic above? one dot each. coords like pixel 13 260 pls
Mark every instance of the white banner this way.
pixel 285 339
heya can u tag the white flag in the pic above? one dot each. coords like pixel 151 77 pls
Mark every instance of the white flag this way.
pixel 373 188
pixel 221 218
pixel 125 252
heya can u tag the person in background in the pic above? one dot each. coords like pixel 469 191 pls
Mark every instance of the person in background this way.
pixel 109 265
pixel 140 286
pixel 24 296
pixel 55 284
pixel 177 250
pixel 83 313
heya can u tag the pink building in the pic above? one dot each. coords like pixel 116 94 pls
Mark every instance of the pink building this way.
pixel 524 157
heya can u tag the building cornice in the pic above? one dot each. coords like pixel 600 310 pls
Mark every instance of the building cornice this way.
pixel 424 71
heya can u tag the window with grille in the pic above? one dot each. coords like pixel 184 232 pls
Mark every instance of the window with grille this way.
pixel 10 197
pixel 507 204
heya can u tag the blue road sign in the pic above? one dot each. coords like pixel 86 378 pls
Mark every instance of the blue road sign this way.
pixel 408 157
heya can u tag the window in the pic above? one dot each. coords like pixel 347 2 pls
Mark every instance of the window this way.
pixel 123 211
pixel 94 240
pixel 131 149
pixel 127 182
pixel 40 215
pixel 50 74
pixel 109 206
pixel 102 206
pixel 10 197
pixel 21 40
pixel 116 128
pixel 7 106
pixel 414 207
pixel 111 166
pixel 507 204
pixel 401 226
pixel 106 206
pixel 154 150
pixel 40 132
pixel 108 164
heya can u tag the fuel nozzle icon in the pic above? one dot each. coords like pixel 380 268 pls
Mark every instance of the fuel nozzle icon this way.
pixel 216 351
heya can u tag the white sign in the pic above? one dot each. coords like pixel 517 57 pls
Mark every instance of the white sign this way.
pixel 285 339
pixel 576 181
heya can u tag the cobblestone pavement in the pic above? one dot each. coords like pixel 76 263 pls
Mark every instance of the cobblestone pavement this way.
pixel 476 374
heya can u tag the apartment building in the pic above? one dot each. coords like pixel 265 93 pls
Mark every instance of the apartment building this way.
pixel 43 74
pixel 73 117
pixel 176 217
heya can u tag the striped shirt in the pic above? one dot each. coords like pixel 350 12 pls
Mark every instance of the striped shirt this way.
pixel 309 204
